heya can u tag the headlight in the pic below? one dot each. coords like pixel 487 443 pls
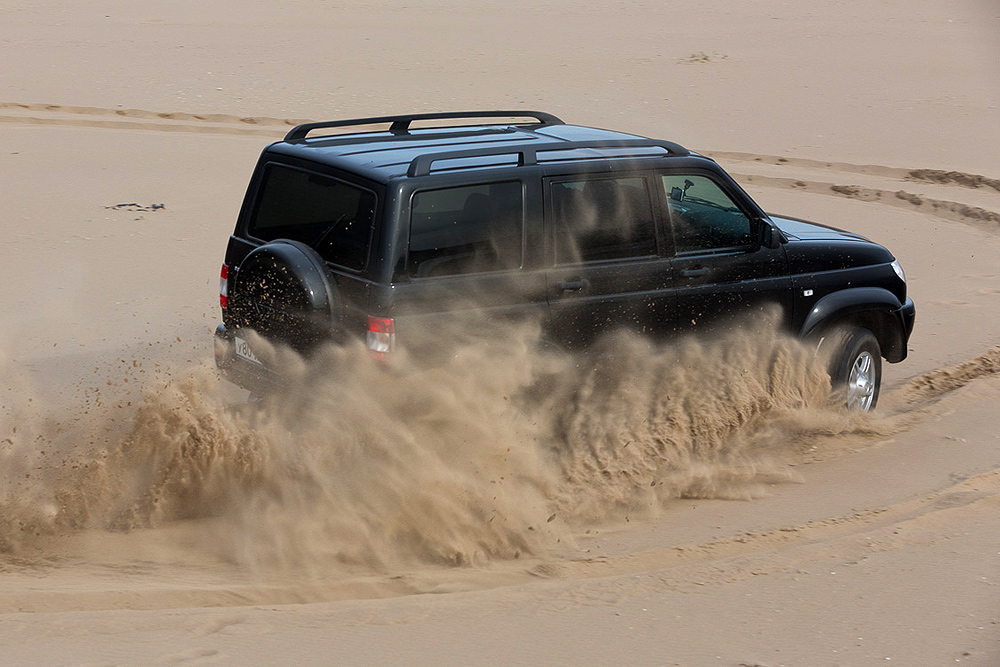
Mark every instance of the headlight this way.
pixel 898 269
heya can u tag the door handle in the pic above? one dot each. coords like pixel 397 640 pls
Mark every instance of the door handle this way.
pixel 573 285
pixel 695 273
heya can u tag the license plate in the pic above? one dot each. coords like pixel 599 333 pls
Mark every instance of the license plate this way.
pixel 243 350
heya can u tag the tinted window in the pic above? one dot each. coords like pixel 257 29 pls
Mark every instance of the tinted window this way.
pixel 332 216
pixel 602 219
pixel 702 216
pixel 471 229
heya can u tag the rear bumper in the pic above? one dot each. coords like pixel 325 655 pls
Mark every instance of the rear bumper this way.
pixel 247 374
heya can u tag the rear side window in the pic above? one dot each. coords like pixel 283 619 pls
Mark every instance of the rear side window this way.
pixel 602 219
pixel 469 229
pixel 332 216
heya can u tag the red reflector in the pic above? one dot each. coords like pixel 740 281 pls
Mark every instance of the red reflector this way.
pixel 224 287
pixel 381 338
pixel 381 324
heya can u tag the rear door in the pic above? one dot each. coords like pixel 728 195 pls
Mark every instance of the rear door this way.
pixel 724 275
pixel 607 266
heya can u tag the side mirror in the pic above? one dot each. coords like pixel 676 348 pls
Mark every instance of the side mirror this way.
pixel 770 236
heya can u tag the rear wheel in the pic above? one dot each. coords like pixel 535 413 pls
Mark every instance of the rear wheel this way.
pixel 856 369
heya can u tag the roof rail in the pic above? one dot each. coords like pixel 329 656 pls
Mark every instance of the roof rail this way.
pixel 401 124
pixel 527 154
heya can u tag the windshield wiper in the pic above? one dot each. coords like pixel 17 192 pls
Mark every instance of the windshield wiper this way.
pixel 329 230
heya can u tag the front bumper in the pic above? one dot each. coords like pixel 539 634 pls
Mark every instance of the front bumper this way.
pixel 908 313
pixel 905 315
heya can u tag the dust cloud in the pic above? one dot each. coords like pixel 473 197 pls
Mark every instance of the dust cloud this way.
pixel 501 450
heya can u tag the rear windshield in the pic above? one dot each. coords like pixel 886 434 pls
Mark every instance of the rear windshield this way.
pixel 332 216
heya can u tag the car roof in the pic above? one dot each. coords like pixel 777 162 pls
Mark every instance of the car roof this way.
pixel 402 151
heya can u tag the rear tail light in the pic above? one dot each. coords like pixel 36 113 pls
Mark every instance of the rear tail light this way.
pixel 381 338
pixel 224 287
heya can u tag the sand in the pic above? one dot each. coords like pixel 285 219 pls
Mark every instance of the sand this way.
pixel 148 516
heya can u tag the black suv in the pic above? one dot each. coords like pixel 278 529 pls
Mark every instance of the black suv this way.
pixel 371 232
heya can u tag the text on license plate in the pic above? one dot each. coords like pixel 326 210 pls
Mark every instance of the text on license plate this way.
pixel 243 350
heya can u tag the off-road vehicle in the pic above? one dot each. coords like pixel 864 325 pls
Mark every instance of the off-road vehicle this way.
pixel 399 221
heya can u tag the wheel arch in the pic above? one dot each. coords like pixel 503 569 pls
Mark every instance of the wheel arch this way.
pixel 320 287
pixel 872 308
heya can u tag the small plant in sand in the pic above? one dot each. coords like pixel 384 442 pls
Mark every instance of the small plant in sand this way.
pixel 702 57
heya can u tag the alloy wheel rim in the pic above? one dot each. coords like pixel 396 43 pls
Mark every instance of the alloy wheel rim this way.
pixel 861 383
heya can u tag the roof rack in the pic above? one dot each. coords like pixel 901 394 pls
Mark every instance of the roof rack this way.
pixel 401 124
pixel 527 154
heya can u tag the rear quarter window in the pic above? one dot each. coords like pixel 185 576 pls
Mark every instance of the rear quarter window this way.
pixel 468 229
pixel 332 216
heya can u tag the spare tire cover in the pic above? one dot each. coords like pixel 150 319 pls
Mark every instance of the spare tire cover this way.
pixel 283 291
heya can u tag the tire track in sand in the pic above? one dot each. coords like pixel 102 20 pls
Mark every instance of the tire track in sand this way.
pixel 936 176
pixel 139 119
pixel 743 556
pixel 948 210
pixel 935 384
pixel 770 169
pixel 26 113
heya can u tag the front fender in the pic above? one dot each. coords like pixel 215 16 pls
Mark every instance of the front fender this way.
pixel 844 302
pixel 875 308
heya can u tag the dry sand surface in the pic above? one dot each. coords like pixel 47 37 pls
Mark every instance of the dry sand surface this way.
pixel 691 506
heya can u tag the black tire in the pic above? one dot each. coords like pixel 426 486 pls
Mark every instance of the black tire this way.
pixel 856 369
pixel 284 292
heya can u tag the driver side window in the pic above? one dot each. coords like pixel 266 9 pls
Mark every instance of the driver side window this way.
pixel 702 216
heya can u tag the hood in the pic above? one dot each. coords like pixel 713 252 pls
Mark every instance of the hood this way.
pixel 802 230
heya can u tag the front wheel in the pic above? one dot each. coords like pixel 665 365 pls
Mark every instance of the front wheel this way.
pixel 856 369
